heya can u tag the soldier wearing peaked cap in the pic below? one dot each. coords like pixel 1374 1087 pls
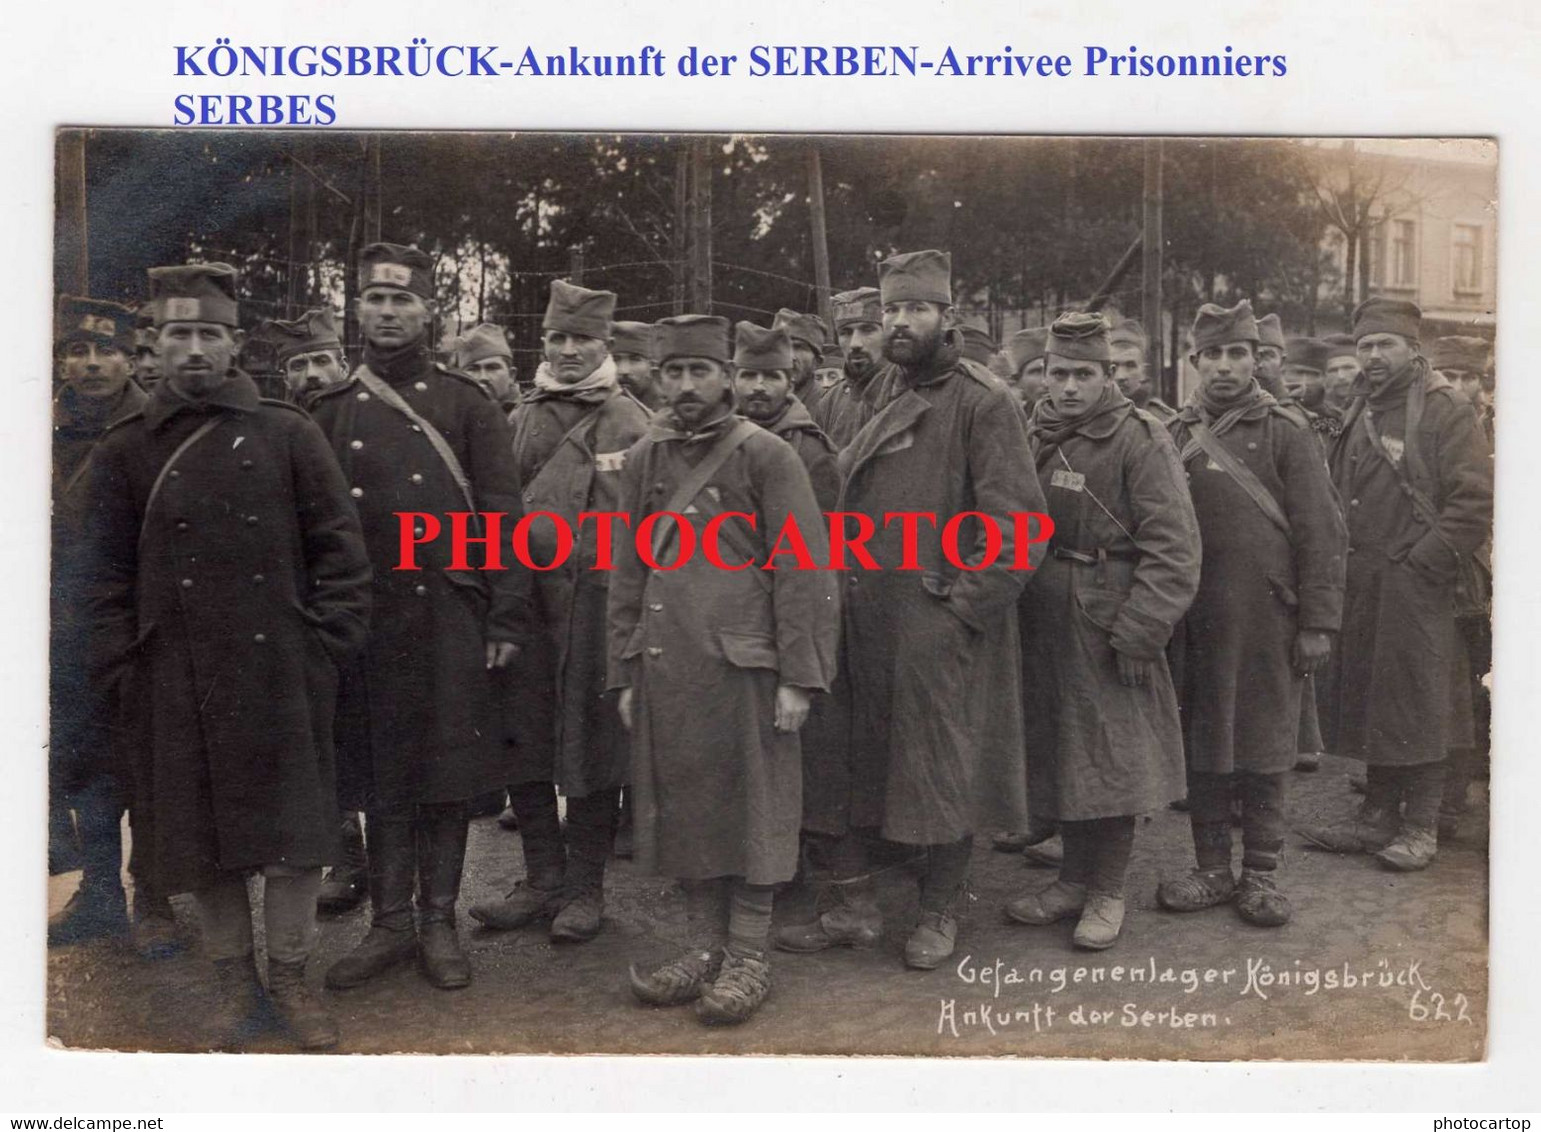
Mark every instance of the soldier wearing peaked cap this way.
pixel 631 349
pixel 842 410
pixel 1413 467
pixel 1103 740
pixel 418 728
pixel 484 353
pixel 94 344
pixel 1269 603
pixel 228 581
pixel 936 736
pixel 571 437
pixel 808 334
pixel 716 669
pixel 1129 346
pixel 309 354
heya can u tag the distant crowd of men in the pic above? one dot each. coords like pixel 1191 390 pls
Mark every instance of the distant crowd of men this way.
pixel 1293 561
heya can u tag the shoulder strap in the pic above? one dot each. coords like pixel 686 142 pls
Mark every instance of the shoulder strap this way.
pixel 1423 506
pixel 728 443
pixel 1092 495
pixel 447 454
pixel 1243 475
pixel 197 434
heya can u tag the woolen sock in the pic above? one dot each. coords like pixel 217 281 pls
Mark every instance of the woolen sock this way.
pixel 1262 819
pixel 1383 790
pixel 1112 845
pixel 1076 868
pixel 749 916
pixel 1423 788
pixel 946 872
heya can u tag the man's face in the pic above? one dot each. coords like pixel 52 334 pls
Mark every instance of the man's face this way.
pixel 762 392
pixel 572 357
pixel 306 373
pixel 693 387
pixel 1225 371
pixel 826 376
pixel 1341 372
pixel 196 356
pixel 912 331
pixel 635 373
pixel 1468 383
pixel 1307 386
pixel 1073 384
pixel 1382 356
pixel 863 346
pixel 1129 368
pixel 95 369
pixel 1034 382
pixel 1270 362
pixel 496 377
pixel 147 366
pixel 805 360
pixel 390 317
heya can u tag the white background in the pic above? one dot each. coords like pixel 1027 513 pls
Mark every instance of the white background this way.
pixel 1420 67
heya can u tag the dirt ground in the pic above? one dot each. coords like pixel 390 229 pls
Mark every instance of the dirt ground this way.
pixel 1375 965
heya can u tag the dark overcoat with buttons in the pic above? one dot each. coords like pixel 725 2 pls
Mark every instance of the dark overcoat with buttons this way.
pixel 1258 587
pixel 933 654
pixel 563 721
pixel 220 617
pixel 717 790
pixel 417 720
pixel 1387 699
pixel 1123 569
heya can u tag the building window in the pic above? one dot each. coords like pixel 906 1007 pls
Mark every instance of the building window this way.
pixel 1404 254
pixel 1466 260
pixel 1375 253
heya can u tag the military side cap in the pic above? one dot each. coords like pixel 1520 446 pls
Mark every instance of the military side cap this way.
pixel 1270 332
pixel 313 331
pixel 864 304
pixel 97 321
pixel 194 292
pixel 395 265
pixel 806 328
pixel 1306 353
pixel 977 344
pixel 1026 346
pixel 692 336
pixel 1215 325
pixel 1459 352
pixel 832 355
pixel 754 347
pixel 577 310
pixel 916 277
pixel 1387 316
pixel 1340 346
pixel 1079 336
pixel 632 338
pixel 482 342
pixel 1129 332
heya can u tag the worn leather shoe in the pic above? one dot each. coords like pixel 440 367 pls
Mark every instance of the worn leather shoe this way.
pixel 1259 901
pixel 1048 853
pixel 442 961
pixel 154 933
pixel 1059 901
pixel 580 918
pixel 932 941
pixel 1308 762
pixel 852 920
pixel 238 1013
pixel 524 905
pixel 1200 889
pixel 90 914
pixel 342 890
pixel 678 981
pixel 300 1011
pixel 1368 831
pixel 379 951
pixel 1101 921
pixel 1413 849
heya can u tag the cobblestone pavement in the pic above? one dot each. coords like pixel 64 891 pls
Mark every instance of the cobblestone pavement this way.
pixel 1375 965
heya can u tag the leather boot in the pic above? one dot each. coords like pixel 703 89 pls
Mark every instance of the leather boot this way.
pixel 98 912
pixel 442 832
pixel 154 931
pixel 850 919
pixel 237 1015
pixel 392 866
pixel 591 822
pixel 301 1011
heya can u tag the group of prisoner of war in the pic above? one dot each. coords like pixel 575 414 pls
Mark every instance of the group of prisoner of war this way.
pixel 238 662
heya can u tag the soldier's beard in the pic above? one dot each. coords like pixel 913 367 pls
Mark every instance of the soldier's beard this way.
pixel 913 350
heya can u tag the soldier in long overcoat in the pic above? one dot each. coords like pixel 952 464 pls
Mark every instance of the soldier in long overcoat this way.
pixel 1103 742
pixel 1270 600
pixel 716 668
pixel 94 344
pixel 570 440
pixel 762 373
pixel 933 656
pixel 851 402
pixel 229 582
pixel 1412 467
pixel 418 728
pixel 808 333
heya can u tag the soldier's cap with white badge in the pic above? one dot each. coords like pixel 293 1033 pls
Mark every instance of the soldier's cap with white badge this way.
pixel 194 292
pixel 396 265
pixel 96 321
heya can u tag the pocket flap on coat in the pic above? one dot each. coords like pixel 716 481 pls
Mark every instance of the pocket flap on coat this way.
pixel 1100 606
pixel 749 650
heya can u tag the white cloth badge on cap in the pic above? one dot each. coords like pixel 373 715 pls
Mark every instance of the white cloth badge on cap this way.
pixel 391 274
pixel 97 324
pixel 181 310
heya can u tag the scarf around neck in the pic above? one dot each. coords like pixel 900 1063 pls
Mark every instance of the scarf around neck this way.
pixel 591 390
pixel 1051 428
pixel 400 364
